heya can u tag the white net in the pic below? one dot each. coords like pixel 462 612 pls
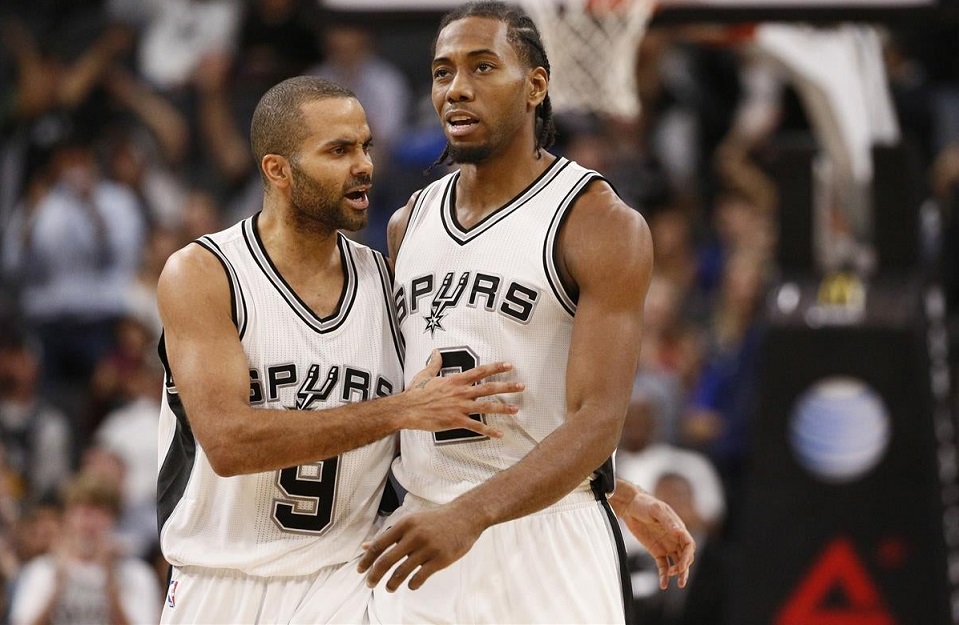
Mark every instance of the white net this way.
pixel 592 47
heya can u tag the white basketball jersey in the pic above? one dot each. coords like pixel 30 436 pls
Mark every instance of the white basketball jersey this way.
pixel 487 293
pixel 296 520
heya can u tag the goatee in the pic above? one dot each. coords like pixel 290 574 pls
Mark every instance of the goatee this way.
pixel 469 155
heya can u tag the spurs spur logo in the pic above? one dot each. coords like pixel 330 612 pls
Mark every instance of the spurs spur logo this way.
pixel 490 292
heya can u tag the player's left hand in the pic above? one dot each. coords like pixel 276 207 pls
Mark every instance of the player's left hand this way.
pixel 429 541
pixel 660 530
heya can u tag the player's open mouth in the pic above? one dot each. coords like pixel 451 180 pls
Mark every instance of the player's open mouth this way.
pixel 358 199
pixel 460 124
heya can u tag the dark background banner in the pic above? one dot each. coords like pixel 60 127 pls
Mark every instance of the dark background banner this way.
pixel 854 550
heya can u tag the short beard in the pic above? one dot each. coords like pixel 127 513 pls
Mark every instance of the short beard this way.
pixel 468 155
pixel 314 205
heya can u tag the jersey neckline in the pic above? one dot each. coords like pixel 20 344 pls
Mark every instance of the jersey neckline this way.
pixel 463 235
pixel 251 235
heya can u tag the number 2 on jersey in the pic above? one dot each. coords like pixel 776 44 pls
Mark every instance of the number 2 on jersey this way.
pixel 456 360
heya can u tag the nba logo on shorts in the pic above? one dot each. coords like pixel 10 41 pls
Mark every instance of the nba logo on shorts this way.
pixel 171 591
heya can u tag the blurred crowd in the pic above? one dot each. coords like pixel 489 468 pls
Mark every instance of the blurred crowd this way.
pixel 123 136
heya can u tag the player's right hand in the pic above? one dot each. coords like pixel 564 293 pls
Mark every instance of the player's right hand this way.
pixel 438 403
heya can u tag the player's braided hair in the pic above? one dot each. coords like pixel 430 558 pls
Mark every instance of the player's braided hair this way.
pixel 525 37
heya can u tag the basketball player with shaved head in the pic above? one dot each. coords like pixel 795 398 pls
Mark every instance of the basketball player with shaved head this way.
pixel 283 383
pixel 526 257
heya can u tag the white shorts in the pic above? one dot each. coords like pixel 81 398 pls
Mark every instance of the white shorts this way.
pixel 557 566
pixel 335 594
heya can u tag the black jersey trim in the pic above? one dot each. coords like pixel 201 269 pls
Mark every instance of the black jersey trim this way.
pixel 464 235
pixel 625 579
pixel 566 299
pixel 604 478
pixel 321 325
pixel 418 205
pixel 414 218
pixel 237 298
pixel 180 458
pixel 386 282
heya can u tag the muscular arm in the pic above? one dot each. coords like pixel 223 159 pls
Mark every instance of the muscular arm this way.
pixel 606 251
pixel 212 377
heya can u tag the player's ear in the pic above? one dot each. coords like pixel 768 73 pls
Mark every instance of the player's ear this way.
pixel 277 170
pixel 538 85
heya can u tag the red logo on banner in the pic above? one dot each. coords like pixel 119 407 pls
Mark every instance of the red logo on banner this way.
pixel 838 569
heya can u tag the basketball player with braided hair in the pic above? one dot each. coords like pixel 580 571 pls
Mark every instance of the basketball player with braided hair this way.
pixel 523 256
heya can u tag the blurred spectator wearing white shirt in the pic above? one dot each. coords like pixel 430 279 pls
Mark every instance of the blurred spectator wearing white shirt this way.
pixel 85 579
pixel 130 432
pixel 74 255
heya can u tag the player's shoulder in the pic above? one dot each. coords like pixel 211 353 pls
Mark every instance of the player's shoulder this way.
pixel 400 222
pixel 401 216
pixel 601 228
pixel 192 268
pixel 600 208
pixel 199 263
pixel 596 193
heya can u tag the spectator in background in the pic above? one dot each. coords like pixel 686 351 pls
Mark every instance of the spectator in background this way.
pixel 33 534
pixel 36 437
pixel 130 161
pixel 277 40
pixel 351 61
pixel 676 252
pixel 74 254
pixel 724 399
pixel 59 59
pixel 29 93
pixel 643 453
pixel 642 428
pixel 672 345
pixel 84 87
pixel 687 481
pixel 10 505
pixel 185 53
pixel 705 599
pixel 746 203
pixel 669 94
pixel 38 527
pixel 142 296
pixel 179 34
pixel 201 215
pixel 114 380
pixel 130 432
pixel 85 579
pixel 912 94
